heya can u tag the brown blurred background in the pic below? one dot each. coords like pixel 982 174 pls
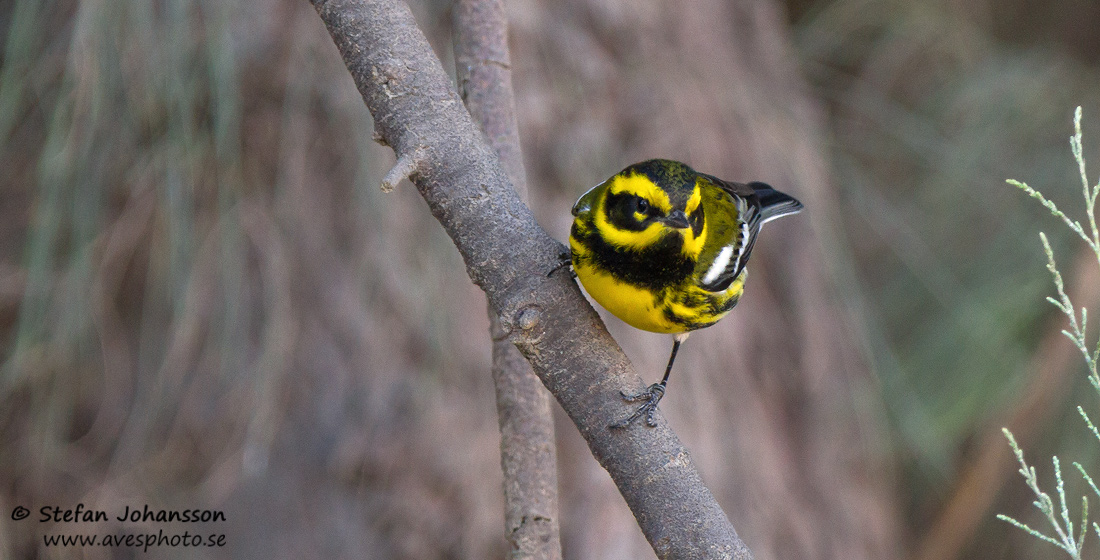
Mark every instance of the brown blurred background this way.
pixel 206 302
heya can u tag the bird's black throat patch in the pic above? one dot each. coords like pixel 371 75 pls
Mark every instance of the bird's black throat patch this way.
pixel 657 266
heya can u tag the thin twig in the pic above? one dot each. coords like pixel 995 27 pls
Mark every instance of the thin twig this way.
pixel 403 169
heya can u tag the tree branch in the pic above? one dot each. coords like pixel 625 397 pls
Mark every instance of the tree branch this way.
pixel 508 255
pixel 528 455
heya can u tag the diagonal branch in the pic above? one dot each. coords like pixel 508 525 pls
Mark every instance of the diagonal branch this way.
pixel 528 456
pixel 508 255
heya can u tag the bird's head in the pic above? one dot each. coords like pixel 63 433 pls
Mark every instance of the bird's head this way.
pixel 647 203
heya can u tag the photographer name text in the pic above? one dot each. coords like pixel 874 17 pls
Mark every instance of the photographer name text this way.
pixel 80 514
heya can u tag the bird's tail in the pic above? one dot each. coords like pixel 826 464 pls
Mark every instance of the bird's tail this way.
pixel 774 204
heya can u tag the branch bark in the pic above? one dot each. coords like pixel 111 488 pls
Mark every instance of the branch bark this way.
pixel 528 455
pixel 508 255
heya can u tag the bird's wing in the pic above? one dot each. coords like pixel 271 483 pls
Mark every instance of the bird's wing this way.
pixel 729 261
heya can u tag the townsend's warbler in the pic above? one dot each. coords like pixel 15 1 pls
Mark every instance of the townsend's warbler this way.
pixel 664 248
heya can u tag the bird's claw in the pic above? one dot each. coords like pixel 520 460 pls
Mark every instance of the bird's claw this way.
pixel 651 396
pixel 565 259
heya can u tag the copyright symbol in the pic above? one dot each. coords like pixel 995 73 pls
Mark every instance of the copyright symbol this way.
pixel 20 513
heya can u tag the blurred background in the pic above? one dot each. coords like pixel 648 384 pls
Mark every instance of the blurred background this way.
pixel 206 302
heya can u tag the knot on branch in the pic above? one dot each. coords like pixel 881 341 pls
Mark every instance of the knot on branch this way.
pixel 521 321
pixel 524 325
pixel 528 318
pixel 519 310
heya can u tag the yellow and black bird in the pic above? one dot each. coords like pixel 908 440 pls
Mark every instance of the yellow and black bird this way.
pixel 664 248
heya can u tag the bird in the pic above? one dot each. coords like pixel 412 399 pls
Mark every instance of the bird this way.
pixel 665 248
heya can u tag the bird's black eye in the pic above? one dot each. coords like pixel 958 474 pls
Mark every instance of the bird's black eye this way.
pixel 643 205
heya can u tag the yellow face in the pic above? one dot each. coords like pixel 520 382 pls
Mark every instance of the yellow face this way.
pixel 634 213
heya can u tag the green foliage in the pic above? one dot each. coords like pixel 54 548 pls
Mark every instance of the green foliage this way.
pixel 1063 528
pixel 1060 520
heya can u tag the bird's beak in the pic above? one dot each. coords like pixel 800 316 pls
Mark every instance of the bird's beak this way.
pixel 677 220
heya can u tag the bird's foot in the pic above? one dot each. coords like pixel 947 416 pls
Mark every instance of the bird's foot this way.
pixel 651 396
pixel 565 259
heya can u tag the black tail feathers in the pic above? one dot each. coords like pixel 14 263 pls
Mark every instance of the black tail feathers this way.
pixel 774 204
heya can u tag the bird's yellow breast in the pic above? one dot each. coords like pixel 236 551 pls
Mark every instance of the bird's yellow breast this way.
pixel 673 309
pixel 635 306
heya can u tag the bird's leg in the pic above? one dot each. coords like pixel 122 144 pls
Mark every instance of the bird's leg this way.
pixel 652 395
